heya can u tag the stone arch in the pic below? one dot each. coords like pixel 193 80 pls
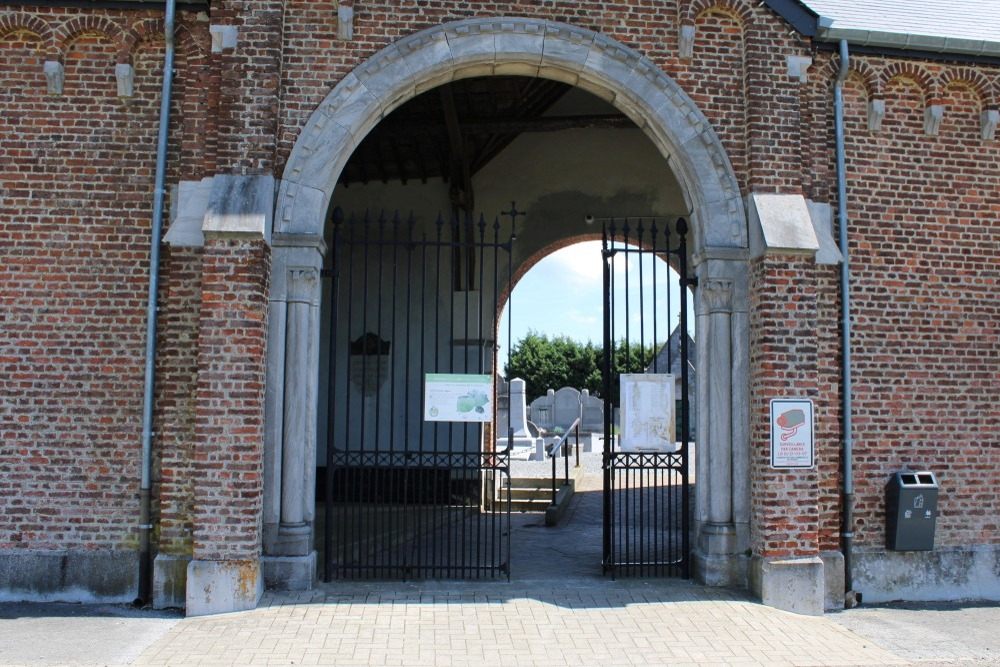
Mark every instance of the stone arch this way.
pixel 69 31
pixel 911 72
pixel 738 10
pixel 525 47
pixel 21 22
pixel 974 81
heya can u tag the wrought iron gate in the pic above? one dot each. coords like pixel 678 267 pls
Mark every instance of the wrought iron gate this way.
pixel 646 495
pixel 406 497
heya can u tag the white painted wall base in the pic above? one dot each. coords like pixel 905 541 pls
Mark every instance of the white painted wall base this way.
pixel 289 573
pixel 219 587
pixel 794 584
pixel 719 569
pixel 833 580
pixel 942 574
pixel 170 581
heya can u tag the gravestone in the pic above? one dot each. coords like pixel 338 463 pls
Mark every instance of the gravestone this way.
pixel 518 434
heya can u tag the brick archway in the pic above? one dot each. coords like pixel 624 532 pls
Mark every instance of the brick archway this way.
pixel 681 133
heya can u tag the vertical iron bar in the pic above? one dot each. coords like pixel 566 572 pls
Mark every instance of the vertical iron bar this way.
pixel 408 500
pixel 350 486
pixel 422 529
pixel 510 320
pixel 481 554
pixel 606 258
pixel 656 351
pixel 435 507
pixel 379 490
pixel 685 518
pixel 331 393
pixel 467 284
pixel 496 503
pixel 398 504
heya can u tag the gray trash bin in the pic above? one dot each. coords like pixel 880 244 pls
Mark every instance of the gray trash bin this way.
pixel 910 511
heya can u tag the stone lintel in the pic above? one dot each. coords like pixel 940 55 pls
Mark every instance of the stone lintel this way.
pixel 224 37
pixel 299 241
pixel 345 22
pixel 798 67
pixel 932 119
pixel 989 119
pixel 780 224
pixel 55 75
pixel 125 77
pixel 789 584
pixel 222 586
pixel 876 112
pixel 188 204
pixel 686 41
pixel 240 207
pixel 822 219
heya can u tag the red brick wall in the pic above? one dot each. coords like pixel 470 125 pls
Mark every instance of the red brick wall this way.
pixel 76 182
pixel 783 364
pixel 76 195
pixel 925 266
pixel 229 423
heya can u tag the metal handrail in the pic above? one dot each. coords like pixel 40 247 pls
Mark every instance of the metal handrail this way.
pixel 553 450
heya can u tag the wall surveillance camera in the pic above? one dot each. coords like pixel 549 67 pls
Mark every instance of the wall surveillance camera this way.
pixel 589 219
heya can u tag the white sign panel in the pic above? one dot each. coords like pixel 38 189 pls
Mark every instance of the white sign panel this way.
pixel 792 433
pixel 450 397
pixel 647 413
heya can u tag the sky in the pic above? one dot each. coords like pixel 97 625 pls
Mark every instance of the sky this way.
pixel 562 296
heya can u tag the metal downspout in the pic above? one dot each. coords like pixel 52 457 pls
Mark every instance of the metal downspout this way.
pixel 851 598
pixel 145 524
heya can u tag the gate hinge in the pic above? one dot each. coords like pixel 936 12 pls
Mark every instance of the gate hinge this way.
pixel 326 273
pixel 690 282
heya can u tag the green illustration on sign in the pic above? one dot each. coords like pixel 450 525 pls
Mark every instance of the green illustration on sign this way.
pixel 455 397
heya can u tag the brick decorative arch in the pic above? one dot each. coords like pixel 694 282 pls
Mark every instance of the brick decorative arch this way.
pixel 528 47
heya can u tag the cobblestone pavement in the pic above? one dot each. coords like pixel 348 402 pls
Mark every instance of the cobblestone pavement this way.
pixel 588 622
pixel 558 610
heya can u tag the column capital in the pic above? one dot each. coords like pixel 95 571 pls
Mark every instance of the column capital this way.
pixel 717 295
pixel 302 283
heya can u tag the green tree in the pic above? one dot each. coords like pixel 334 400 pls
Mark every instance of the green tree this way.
pixel 550 363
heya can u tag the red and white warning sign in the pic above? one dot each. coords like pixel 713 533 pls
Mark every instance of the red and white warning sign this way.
pixel 792 433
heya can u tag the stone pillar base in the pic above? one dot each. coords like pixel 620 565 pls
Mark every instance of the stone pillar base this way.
pixel 833 580
pixel 789 584
pixel 719 569
pixel 221 586
pixel 170 581
pixel 289 573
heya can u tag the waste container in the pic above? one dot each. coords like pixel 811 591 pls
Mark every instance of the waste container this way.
pixel 910 511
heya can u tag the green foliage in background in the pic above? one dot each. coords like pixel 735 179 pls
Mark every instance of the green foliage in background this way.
pixel 551 363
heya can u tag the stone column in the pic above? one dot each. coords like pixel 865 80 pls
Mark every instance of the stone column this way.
pixel 717 299
pixel 291 408
pixel 721 361
pixel 302 288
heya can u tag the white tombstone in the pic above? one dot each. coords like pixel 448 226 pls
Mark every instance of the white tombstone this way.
pixel 518 435
pixel 592 409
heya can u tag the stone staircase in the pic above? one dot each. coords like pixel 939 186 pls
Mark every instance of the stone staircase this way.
pixel 529 494
pixel 534 494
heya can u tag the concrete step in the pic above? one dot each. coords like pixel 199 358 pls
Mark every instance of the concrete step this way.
pixel 530 494
pixel 529 505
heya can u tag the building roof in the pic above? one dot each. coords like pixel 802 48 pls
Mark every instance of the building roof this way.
pixel 968 27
